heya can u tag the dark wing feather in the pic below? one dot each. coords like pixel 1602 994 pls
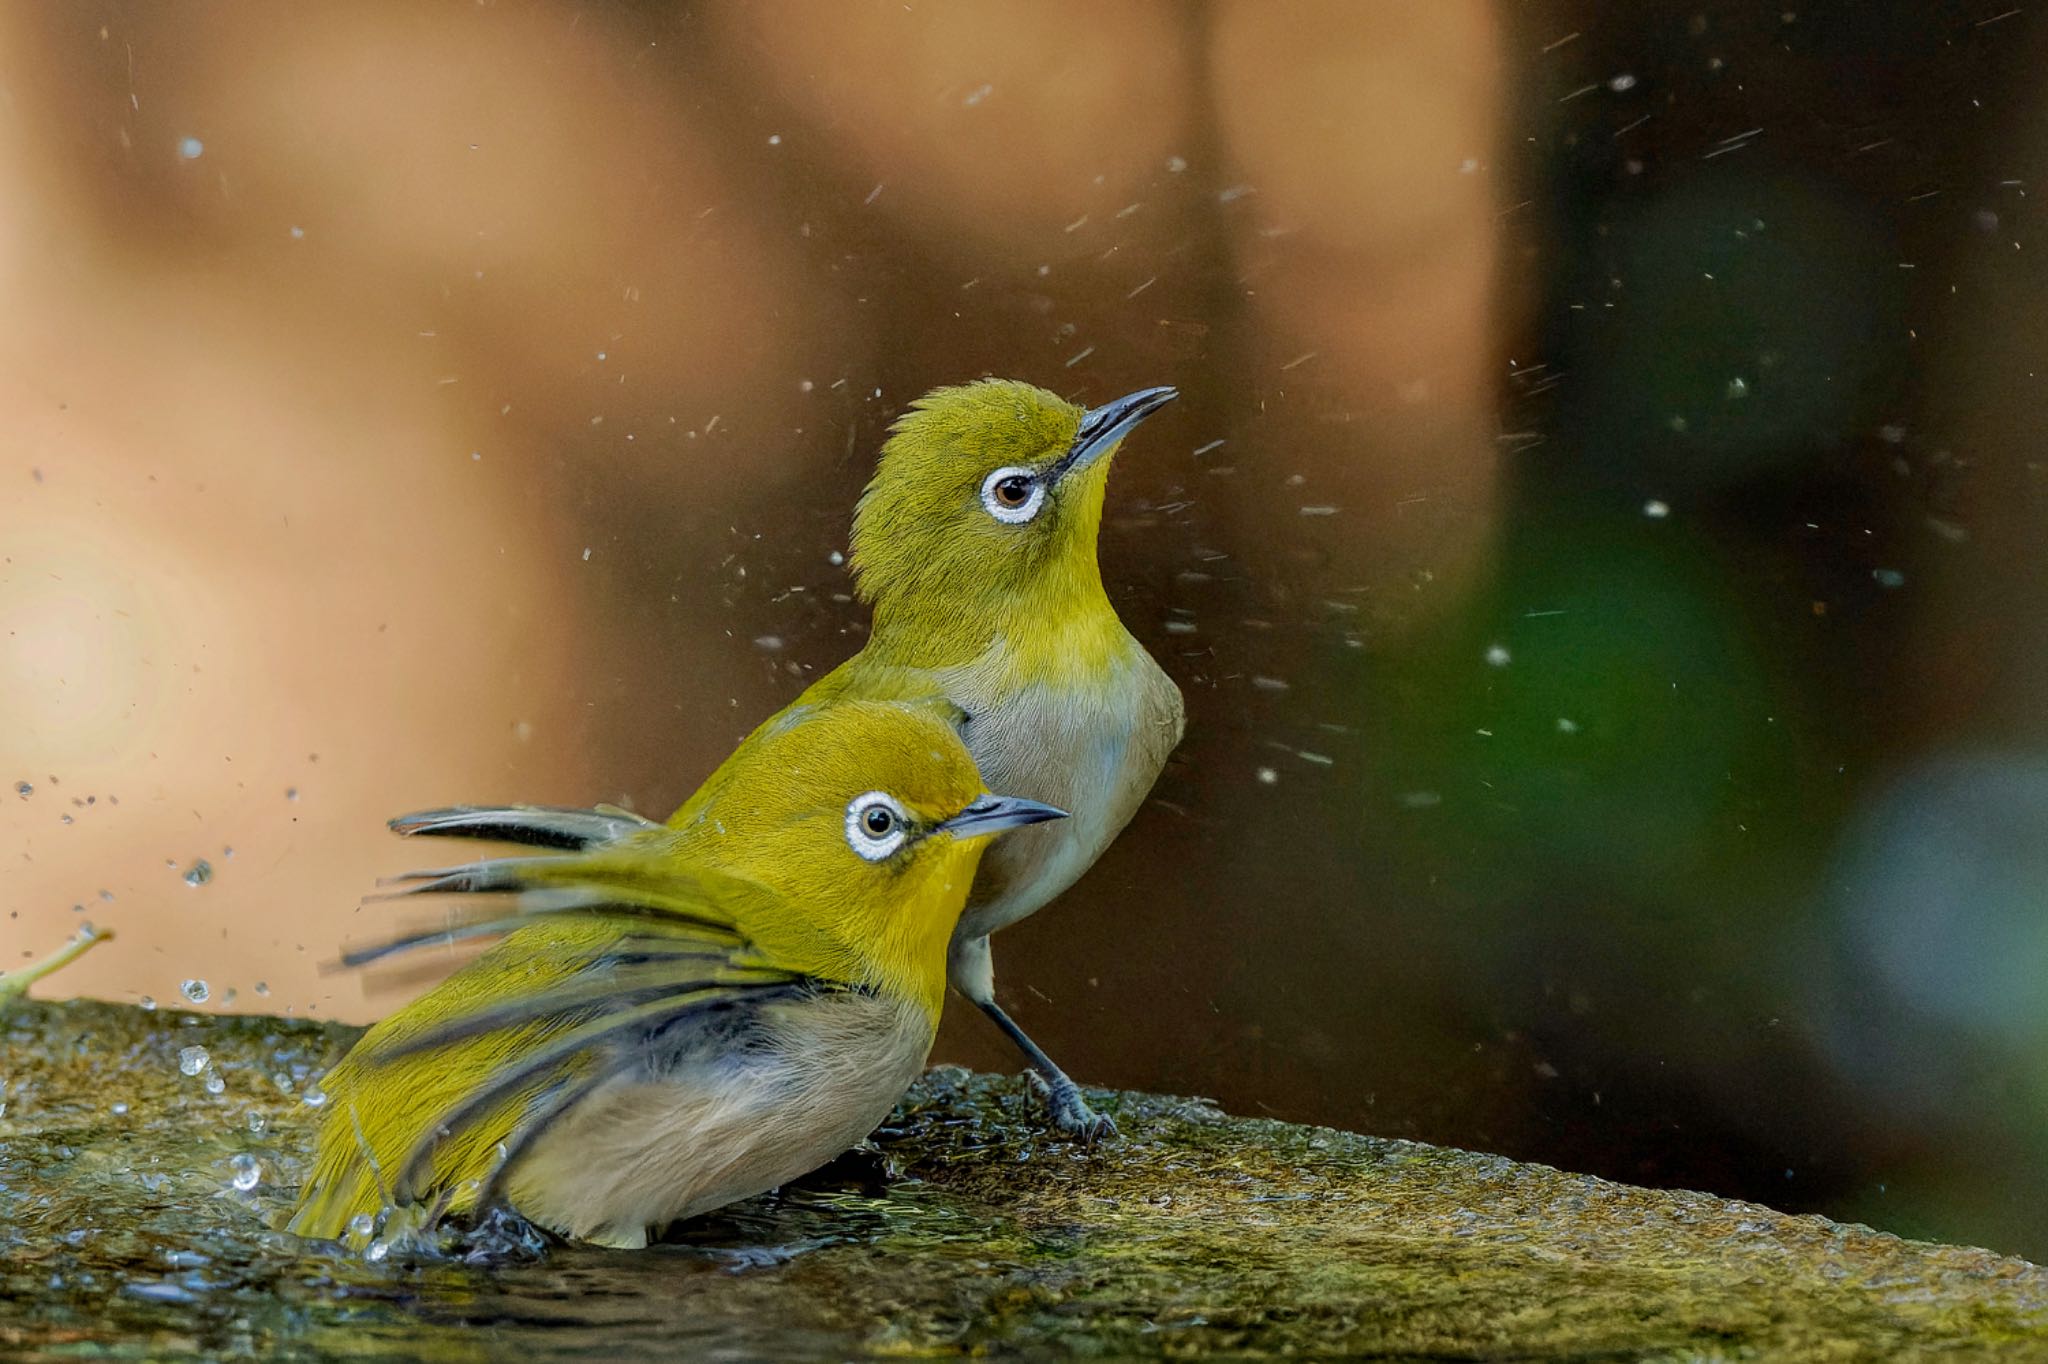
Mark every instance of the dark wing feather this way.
pixel 678 975
pixel 623 882
pixel 670 949
pixel 591 1036
pixel 540 826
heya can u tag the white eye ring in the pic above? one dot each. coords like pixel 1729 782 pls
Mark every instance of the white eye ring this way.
pixel 1012 516
pixel 876 825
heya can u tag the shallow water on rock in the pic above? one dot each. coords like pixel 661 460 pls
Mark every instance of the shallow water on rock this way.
pixel 131 1226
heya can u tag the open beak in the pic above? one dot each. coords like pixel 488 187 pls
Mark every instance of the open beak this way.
pixel 1102 427
pixel 993 814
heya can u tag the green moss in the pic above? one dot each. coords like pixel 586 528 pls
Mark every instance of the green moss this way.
pixel 122 1235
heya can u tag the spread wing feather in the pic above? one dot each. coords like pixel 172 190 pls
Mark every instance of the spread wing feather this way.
pixel 612 944
pixel 541 826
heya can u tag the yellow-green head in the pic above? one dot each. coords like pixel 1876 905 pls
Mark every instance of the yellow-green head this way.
pixel 866 820
pixel 983 509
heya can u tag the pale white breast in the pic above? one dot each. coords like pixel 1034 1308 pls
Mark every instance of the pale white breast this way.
pixel 1092 749
pixel 699 1127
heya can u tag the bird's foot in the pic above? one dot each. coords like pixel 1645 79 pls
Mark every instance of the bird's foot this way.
pixel 1070 1112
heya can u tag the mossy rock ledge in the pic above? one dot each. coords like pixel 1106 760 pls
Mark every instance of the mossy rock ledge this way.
pixel 136 1189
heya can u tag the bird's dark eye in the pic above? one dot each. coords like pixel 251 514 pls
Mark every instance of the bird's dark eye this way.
pixel 1013 491
pixel 877 821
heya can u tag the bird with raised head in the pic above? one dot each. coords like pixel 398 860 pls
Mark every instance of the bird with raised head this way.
pixel 975 544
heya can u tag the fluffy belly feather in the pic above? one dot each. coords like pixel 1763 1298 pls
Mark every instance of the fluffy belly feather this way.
pixel 698 1128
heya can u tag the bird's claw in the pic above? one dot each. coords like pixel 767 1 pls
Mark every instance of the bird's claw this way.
pixel 1070 1112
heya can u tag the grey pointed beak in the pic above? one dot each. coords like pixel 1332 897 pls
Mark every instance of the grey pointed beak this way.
pixel 993 814
pixel 1102 427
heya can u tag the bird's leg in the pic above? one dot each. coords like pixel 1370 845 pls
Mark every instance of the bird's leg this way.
pixel 1070 1112
pixel 973 973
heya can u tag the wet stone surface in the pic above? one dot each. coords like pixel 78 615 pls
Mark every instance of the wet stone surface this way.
pixel 135 1202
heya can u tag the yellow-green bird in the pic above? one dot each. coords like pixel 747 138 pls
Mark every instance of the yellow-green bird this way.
pixel 975 545
pixel 680 1015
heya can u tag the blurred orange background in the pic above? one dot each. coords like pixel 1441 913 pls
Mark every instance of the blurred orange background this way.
pixel 416 404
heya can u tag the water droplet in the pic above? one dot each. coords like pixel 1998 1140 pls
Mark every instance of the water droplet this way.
pixel 835 558
pixel 314 1098
pixel 362 1224
pixel 1738 387
pixel 1565 726
pixel 197 991
pixel 118 1109
pixel 24 790
pixel 199 873
pixel 586 554
pixel 148 1004
pixel 1268 777
pixel 1176 164
pixel 248 1171
pixel 775 139
pixel 214 1083
pixel 291 793
pixel 1622 82
pixel 298 234
pixel 257 1122
pixel 262 987
pixel 768 643
pixel 1656 510
pixel 1888 577
pixel 191 148
pixel 1498 655
pixel 192 1060
pixel 377 1251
